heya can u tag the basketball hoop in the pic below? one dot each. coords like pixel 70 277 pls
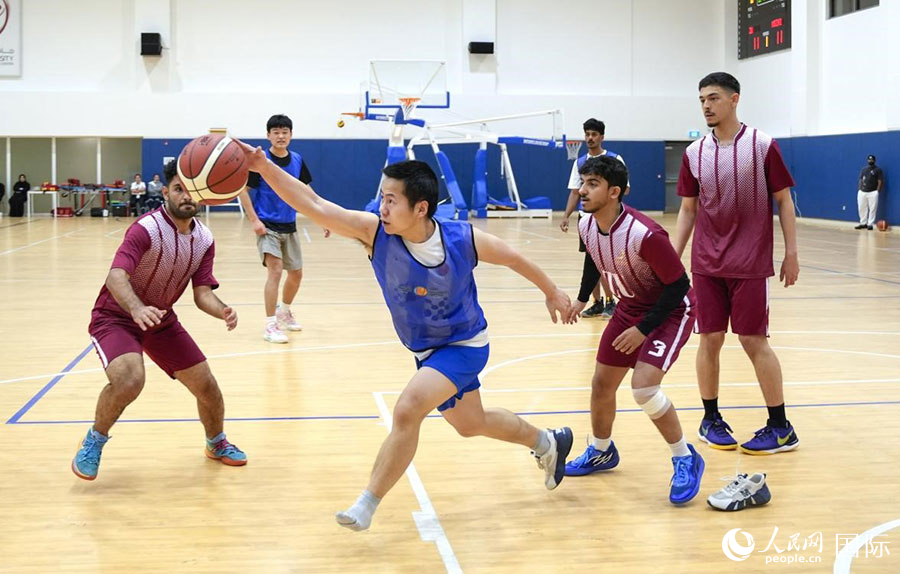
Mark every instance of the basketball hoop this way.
pixel 572 148
pixel 408 105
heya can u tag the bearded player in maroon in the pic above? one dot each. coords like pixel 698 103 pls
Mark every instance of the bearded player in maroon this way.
pixel 162 251
pixel 650 325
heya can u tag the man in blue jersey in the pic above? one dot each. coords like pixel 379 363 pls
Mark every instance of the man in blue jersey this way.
pixel 275 225
pixel 594 134
pixel 424 267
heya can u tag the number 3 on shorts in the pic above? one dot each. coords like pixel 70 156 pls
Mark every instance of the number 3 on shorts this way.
pixel 660 348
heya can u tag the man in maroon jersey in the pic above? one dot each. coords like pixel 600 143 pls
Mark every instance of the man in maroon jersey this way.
pixel 650 325
pixel 162 251
pixel 727 182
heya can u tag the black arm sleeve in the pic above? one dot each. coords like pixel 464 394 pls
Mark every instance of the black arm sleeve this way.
pixel 589 278
pixel 305 176
pixel 670 298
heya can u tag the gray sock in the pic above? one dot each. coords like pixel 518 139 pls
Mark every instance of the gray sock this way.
pixel 359 516
pixel 543 443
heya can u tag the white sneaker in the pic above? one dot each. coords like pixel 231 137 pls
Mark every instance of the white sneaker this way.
pixel 286 320
pixel 274 334
pixel 553 462
pixel 741 492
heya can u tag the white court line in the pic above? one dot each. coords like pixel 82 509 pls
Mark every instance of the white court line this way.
pixel 306 234
pixel 38 242
pixel 396 342
pixel 539 235
pixel 848 552
pixel 116 230
pixel 427 520
pixel 492 368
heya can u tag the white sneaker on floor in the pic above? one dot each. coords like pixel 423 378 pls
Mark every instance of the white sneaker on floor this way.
pixel 741 492
pixel 286 320
pixel 274 334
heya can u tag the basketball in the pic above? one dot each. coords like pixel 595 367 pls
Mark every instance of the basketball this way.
pixel 212 169
pixel 881 225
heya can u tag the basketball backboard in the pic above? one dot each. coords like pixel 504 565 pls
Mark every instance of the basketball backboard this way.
pixel 391 80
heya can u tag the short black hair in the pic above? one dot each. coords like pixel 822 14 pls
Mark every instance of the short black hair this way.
pixel 609 168
pixel 721 79
pixel 279 121
pixel 419 182
pixel 169 172
pixel 595 125
pixel 871 157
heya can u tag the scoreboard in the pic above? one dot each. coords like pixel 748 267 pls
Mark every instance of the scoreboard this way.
pixel 764 26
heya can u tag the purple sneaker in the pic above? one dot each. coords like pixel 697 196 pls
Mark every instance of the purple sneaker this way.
pixel 717 434
pixel 771 439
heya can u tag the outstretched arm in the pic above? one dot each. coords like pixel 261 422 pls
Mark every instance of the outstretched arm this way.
pixel 354 224
pixel 492 249
pixel 209 303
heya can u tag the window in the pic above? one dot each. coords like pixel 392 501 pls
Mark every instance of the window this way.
pixel 843 7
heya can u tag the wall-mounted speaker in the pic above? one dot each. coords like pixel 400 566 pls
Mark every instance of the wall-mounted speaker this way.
pixel 481 47
pixel 151 44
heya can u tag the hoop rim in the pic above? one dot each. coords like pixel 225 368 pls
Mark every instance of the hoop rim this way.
pixel 359 115
pixel 573 142
pixel 409 99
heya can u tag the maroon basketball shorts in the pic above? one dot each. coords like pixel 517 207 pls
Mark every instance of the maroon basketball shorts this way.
pixel 168 345
pixel 660 348
pixel 744 301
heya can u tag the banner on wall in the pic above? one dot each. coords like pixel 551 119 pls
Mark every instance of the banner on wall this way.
pixel 10 37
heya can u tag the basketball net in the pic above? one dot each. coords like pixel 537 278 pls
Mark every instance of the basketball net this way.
pixel 572 148
pixel 408 105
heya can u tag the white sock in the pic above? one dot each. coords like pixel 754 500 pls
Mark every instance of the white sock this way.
pixel 285 307
pixel 359 516
pixel 680 448
pixel 601 444
pixel 271 320
pixel 543 443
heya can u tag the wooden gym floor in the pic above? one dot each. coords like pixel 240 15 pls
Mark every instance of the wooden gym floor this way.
pixel 310 417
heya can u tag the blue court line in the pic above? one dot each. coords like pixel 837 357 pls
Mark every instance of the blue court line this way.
pixel 195 420
pixel 851 274
pixel 721 408
pixel 15 418
pixel 376 417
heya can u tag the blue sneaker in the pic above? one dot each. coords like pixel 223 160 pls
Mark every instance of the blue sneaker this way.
pixel 87 460
pixel 226 452
pixel 717 434
pixel 771 439
pixel 686 480
pixel 553 462
pixel 593 460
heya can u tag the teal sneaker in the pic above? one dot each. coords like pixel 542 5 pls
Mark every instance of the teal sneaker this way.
pixel 225 451
pixel 87 460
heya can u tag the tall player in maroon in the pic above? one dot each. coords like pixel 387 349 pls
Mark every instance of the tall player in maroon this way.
pixel 650 325
pixel 162 251
pixel 728 181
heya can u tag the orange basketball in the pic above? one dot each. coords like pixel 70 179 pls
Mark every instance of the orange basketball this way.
pixel 882 225
pixel 212 169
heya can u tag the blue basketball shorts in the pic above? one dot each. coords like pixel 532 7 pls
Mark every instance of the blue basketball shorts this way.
pixel 459 364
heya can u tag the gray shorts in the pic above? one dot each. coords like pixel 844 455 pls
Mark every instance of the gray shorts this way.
pixel 285 246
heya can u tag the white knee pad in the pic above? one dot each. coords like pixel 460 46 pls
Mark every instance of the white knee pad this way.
pixel 654 402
